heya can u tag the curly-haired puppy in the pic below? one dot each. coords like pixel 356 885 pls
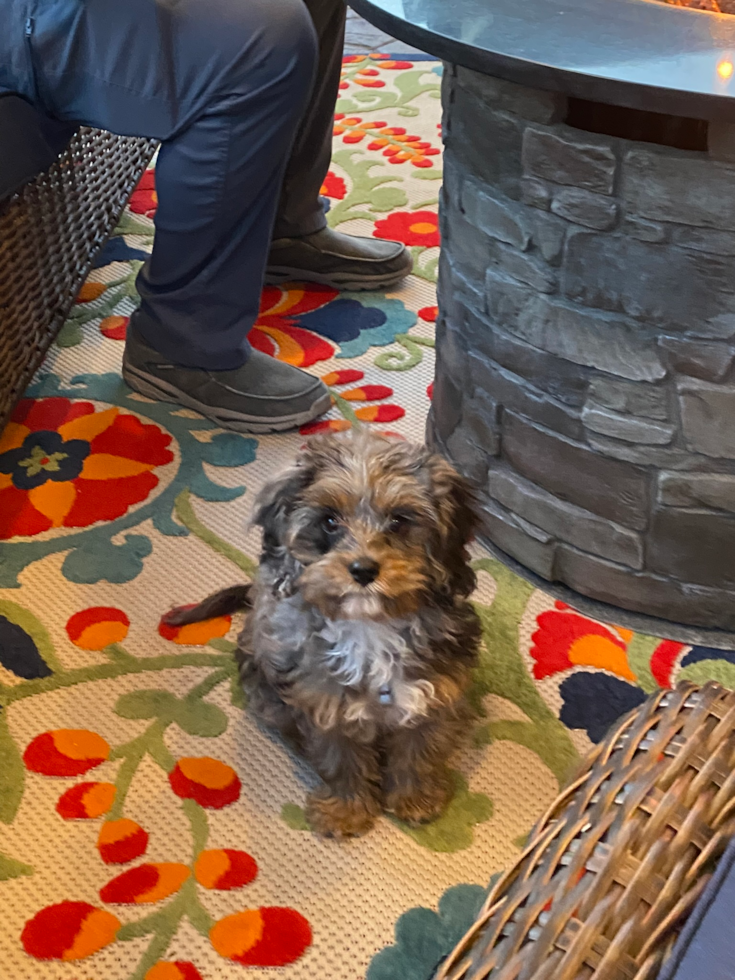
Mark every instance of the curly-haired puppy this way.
pixel 360 640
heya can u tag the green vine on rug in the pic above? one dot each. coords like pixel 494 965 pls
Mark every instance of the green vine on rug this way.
pixel 503 673
pixel 408 86
pixel 367 194
pixel 409 357
pixel 195 716
pixel 185 512
pixel 113 293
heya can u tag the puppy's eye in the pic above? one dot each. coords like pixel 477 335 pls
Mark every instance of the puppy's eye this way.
pixel 399 523
pixel 330 523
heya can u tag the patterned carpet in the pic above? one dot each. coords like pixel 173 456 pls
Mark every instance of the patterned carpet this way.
pixel 150 829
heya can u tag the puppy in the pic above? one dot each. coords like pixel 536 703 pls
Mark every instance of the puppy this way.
pixel 360 639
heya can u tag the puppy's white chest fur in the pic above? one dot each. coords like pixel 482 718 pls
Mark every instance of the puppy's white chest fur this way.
pixel 371 657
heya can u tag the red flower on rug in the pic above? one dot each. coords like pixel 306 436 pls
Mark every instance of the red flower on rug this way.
pixel 195 634
pixel 565 639
pixel 396 144
pixel 593 699
pixel 276 331
pixel 65 752
pixel 409 227
pixel 97 627
pixel 144 199
pixel 368 413
pixel 225 869
pixel 68 931
pixel 173 970
pixel 115 327
pixel 146 884
pixel 262 937
pixel 120 841
pixel 90 291
pixel 68 464
pixel 85 801
pixel 210 783
pixel 333 186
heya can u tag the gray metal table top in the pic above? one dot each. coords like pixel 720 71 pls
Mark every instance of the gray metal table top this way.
pixel 636 53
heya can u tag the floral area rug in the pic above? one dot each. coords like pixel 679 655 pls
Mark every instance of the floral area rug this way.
pixel 149 829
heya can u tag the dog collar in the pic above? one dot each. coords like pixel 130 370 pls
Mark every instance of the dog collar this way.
pixel 385 694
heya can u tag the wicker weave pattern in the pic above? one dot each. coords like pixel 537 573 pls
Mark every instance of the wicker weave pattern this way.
pixel 614 867
pixel 50 233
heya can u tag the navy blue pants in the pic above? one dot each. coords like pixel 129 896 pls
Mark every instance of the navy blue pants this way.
pixel 240 92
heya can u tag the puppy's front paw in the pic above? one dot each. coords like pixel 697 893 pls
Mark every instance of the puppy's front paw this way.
pixel 332 816
pixel 420 804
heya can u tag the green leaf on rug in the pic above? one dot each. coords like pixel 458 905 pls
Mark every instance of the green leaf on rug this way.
pixel 154 703
pixel 721 671
pixel 201 718
pixel 639 652
pixel 128 225
pixel 388 199
pixel 229 449
pixel 424 937
pixel 294 817
pixel 12 773
pixel 192 715
pixel 70 335
pixel 96 559
pixel 10 868
pixel 453 830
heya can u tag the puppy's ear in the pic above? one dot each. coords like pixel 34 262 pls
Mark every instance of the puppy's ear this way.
pixel 458 517
pixel 276 500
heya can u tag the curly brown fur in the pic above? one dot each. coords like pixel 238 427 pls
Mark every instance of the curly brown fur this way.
pixel 361 638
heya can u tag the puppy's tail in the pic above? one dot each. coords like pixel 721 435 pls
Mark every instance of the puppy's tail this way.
pixel 223 603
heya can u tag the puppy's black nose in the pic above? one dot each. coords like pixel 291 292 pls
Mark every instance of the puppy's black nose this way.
pixel 364 570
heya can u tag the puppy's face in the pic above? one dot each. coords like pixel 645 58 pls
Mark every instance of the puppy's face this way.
pixel 376 525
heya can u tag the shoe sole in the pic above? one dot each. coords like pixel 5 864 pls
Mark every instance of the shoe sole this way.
pixel 275 275
pixel 161 391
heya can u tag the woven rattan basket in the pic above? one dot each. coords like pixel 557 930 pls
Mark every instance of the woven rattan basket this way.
pixel 614 867
pixel 50 233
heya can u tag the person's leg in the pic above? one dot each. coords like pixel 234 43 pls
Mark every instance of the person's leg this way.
pixel 304 247
pixel 223 84
pixel 300 211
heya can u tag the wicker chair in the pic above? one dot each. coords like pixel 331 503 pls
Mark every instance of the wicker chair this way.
pixel 616 865
pixel 50 232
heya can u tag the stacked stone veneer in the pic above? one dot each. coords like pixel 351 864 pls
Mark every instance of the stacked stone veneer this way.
pixel 585 349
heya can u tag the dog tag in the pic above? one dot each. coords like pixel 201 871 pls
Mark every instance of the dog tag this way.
pixel 385 695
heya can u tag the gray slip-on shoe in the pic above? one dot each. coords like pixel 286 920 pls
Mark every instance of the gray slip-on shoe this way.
pixel 330 258
pixel 264 395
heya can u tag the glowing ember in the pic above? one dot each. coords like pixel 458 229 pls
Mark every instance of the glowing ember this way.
pixel 715 7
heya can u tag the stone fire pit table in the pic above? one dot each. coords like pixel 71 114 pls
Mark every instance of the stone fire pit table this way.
pixel 586 336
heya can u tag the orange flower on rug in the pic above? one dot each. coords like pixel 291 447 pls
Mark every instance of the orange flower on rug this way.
pixel 66 464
